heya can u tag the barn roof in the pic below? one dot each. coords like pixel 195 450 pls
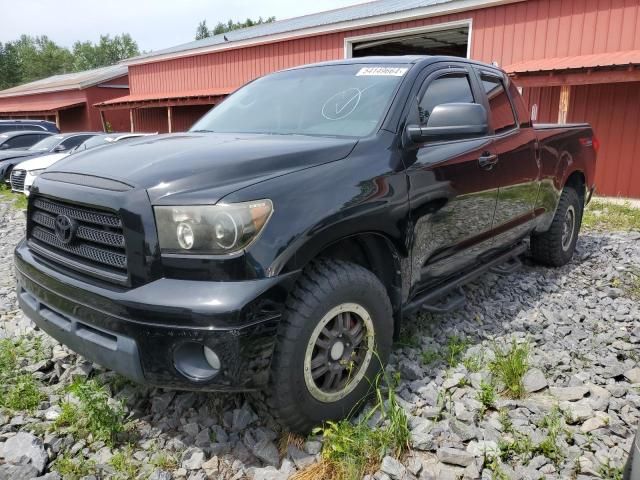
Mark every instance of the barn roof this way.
pixel 379 11
pixel 67 81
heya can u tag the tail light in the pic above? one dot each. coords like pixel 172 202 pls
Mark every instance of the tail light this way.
pixel 590 142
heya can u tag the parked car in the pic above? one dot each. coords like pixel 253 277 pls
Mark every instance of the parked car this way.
pixel 62 142
pixel 24 173
pixel 21 139
pixel 281 243
pixel 38 125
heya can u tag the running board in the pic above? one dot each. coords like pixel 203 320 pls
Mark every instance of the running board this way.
pixel 429 301
pixel 508 267
pixel 453 302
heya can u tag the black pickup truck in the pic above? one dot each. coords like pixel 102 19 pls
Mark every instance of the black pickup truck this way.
pixel 280 243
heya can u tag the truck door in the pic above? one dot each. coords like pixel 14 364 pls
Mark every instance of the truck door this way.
pixel 452 197
pixel 516 168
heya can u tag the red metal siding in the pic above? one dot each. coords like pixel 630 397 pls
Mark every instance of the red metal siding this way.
pixel 84 118
pixel 530 30
pixel 612 110
pixel 184 117
pixel 547 100
pixel 507 34
pixel 150 120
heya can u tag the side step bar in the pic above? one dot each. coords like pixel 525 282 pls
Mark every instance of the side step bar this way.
pixel 430 300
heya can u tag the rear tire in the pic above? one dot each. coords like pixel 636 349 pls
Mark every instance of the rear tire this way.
pixel 556 246
pixel 333 340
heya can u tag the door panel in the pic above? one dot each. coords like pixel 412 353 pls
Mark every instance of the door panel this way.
pixel 516 169
pixel 452 199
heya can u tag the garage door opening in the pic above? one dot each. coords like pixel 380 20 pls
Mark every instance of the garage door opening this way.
pixel 440 40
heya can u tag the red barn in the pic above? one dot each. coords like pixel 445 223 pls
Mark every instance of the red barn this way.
pixel 576 60
pixel 69 99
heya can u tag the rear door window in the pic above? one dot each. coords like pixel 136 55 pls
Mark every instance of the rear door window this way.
pixel 22 141
pixel 501 111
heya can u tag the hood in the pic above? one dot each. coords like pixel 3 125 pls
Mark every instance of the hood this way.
pixel 43 161
pixel 186 165
pixel 15 153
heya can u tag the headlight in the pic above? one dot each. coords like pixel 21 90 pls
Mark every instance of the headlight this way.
pixel 35 173
pixel 215 229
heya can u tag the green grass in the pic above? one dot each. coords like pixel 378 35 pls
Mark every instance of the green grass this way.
pixel 452 354
pixel 549 447
pixel 611 473
pixel 486 396
pixel 23 394
pixel 352 450
pixel 602 215
pixel 164 461
pixel 18 390
pixel 71 468
pixel 123 465
pixel 509 367
pixel 18 199
pixel 95 415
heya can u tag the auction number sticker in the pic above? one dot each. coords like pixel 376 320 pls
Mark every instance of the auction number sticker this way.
pixel 382 71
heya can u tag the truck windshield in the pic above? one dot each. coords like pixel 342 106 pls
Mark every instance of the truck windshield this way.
pixel 334 100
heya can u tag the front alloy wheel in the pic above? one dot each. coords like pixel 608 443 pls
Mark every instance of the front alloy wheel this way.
pixel 334 338
pixel 339 352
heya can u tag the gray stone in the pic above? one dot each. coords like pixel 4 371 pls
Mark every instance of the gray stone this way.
pixel 465 431
pixel 300 458
pixel 25 449
pixel 161 475
pixel 266 451
pixel 534 380
pixel 192 458
pixel 633 375
pixel 393 468
pixel 411 370
pixel 242 418
pixel 454 456
pixel 569 394
pixel 18 472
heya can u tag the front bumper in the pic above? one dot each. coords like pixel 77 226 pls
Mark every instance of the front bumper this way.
pixel 138 331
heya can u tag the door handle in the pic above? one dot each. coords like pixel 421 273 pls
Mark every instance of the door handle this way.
pixel 488 160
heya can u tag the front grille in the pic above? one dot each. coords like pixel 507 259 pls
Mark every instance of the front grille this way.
pixel 97 246
pixel 17 180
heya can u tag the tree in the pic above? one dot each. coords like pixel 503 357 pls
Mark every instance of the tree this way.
pixel 33 58
pixel 9 66
pixel 202 31
pixel 108 51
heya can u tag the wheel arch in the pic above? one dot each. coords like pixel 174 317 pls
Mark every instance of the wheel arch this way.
pixel 371 250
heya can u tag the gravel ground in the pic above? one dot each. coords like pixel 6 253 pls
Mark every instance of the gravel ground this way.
pixel 579 323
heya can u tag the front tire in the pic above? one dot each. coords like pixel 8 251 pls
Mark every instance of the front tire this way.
pixel 556 246
pixel 333 340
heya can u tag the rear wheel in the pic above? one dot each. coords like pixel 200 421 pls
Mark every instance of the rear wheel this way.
pixel 556 246
pixel 335 336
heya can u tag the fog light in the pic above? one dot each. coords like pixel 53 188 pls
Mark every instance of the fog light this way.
pixel 212 358
pixel 196 362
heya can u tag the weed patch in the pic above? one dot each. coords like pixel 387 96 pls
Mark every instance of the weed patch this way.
pixel 123 465
pixel 23 394
pixel 94 415
pixel 486 396
pixel 509 367
pixel 601 215
pixel 352 450
pixel 71 468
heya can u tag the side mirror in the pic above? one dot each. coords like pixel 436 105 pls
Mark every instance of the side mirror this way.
pixel 451 121
pixel 59 148
pixel 4 146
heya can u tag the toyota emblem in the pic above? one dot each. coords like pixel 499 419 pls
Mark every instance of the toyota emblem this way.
pixel 65 228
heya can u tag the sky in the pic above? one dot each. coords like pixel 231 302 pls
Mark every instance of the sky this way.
pixel 154 24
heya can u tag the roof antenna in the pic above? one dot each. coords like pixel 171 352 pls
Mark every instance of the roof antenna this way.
pixel 225 38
